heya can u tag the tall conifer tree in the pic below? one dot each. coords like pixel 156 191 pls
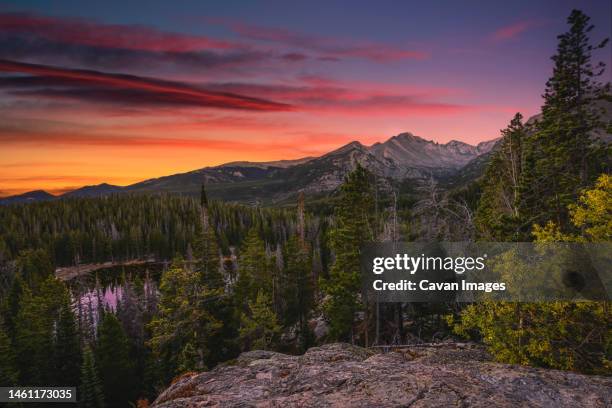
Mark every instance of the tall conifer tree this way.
pixel 9 373
pixel 498 217
pixel 183 319
pixel 207 247
pixel 115 363
pixel 91 394
pixel 563 156
pixel 66 349
pixel 254 269
pixel 353 227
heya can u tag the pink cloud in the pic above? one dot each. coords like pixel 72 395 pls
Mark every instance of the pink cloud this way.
pixel 87 32
pixel 129 88
pixel 324 95
pixel 513 30
pixel 330 48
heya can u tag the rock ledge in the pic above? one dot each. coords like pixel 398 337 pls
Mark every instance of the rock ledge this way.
pixel 341 375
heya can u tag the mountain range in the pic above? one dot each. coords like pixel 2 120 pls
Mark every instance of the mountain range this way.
pixel 400 157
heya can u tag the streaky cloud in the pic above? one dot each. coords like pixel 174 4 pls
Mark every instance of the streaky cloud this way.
pixel 111 87
pixel 330 49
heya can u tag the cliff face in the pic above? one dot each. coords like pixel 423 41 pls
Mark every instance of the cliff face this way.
pixel 340 375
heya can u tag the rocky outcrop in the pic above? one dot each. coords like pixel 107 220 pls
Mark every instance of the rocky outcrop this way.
pixel 409 151
pixel 341 375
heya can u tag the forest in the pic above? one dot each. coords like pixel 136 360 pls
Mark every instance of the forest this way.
pixel 231 278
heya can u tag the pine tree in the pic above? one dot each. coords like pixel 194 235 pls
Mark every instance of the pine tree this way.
pixel 34 332
pixel 152 377
pixel 115 364
pixel 296 287
pixel 563 156
pixel 188 358
pixel 35 266
pixel 562 335
pixel 67 350
pixel 207 247
pixel 353 228
pixel 259 328
pixel 219 305
pixel 559 159
pixel 497 216
pixel 11 305
pixel 91 395
pixel 253 269
pixel 183 318
pixel 9 373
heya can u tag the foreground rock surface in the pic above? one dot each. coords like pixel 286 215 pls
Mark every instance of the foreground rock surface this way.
pixel 341 375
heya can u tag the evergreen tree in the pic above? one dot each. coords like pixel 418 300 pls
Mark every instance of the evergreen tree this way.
pixel 114 362
pixel 559 159
pixel 188 358
pixel 126 226
pixel 353 227
pixel 253 269
pixel 498 217
pixel 34 332
pixel 562 335
pixel 563 156
pixel 9 373
pixel 296 288
pixel 152 376
pixel 222 338
pixel 219 305
pixel 259 328
pixel 183 318
pixel 67 350
pixel 11 305
pixel 35 266
pixel 207 248
pixel 91 395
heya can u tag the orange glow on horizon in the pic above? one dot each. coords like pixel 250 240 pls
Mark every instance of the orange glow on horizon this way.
pixel 123 154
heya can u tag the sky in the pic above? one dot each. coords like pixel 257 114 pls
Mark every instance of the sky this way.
pixel 122 91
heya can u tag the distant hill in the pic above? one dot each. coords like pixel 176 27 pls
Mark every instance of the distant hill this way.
pixel 94 191
pixel 29 197
pixel 41 195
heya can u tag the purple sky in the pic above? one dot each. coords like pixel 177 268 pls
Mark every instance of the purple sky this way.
pixel 120 91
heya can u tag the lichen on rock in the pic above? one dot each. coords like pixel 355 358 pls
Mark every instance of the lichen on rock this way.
pixel 342 375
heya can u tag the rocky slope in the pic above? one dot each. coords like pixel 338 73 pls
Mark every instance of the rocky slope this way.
pixel 408 150
pixel 341 375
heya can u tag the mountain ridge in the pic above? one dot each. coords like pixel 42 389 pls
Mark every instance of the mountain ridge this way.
pixel 402 156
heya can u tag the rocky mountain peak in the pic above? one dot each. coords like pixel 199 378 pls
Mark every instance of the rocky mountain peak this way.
pixel 486 146
pixel 408 150
pixel 347 148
